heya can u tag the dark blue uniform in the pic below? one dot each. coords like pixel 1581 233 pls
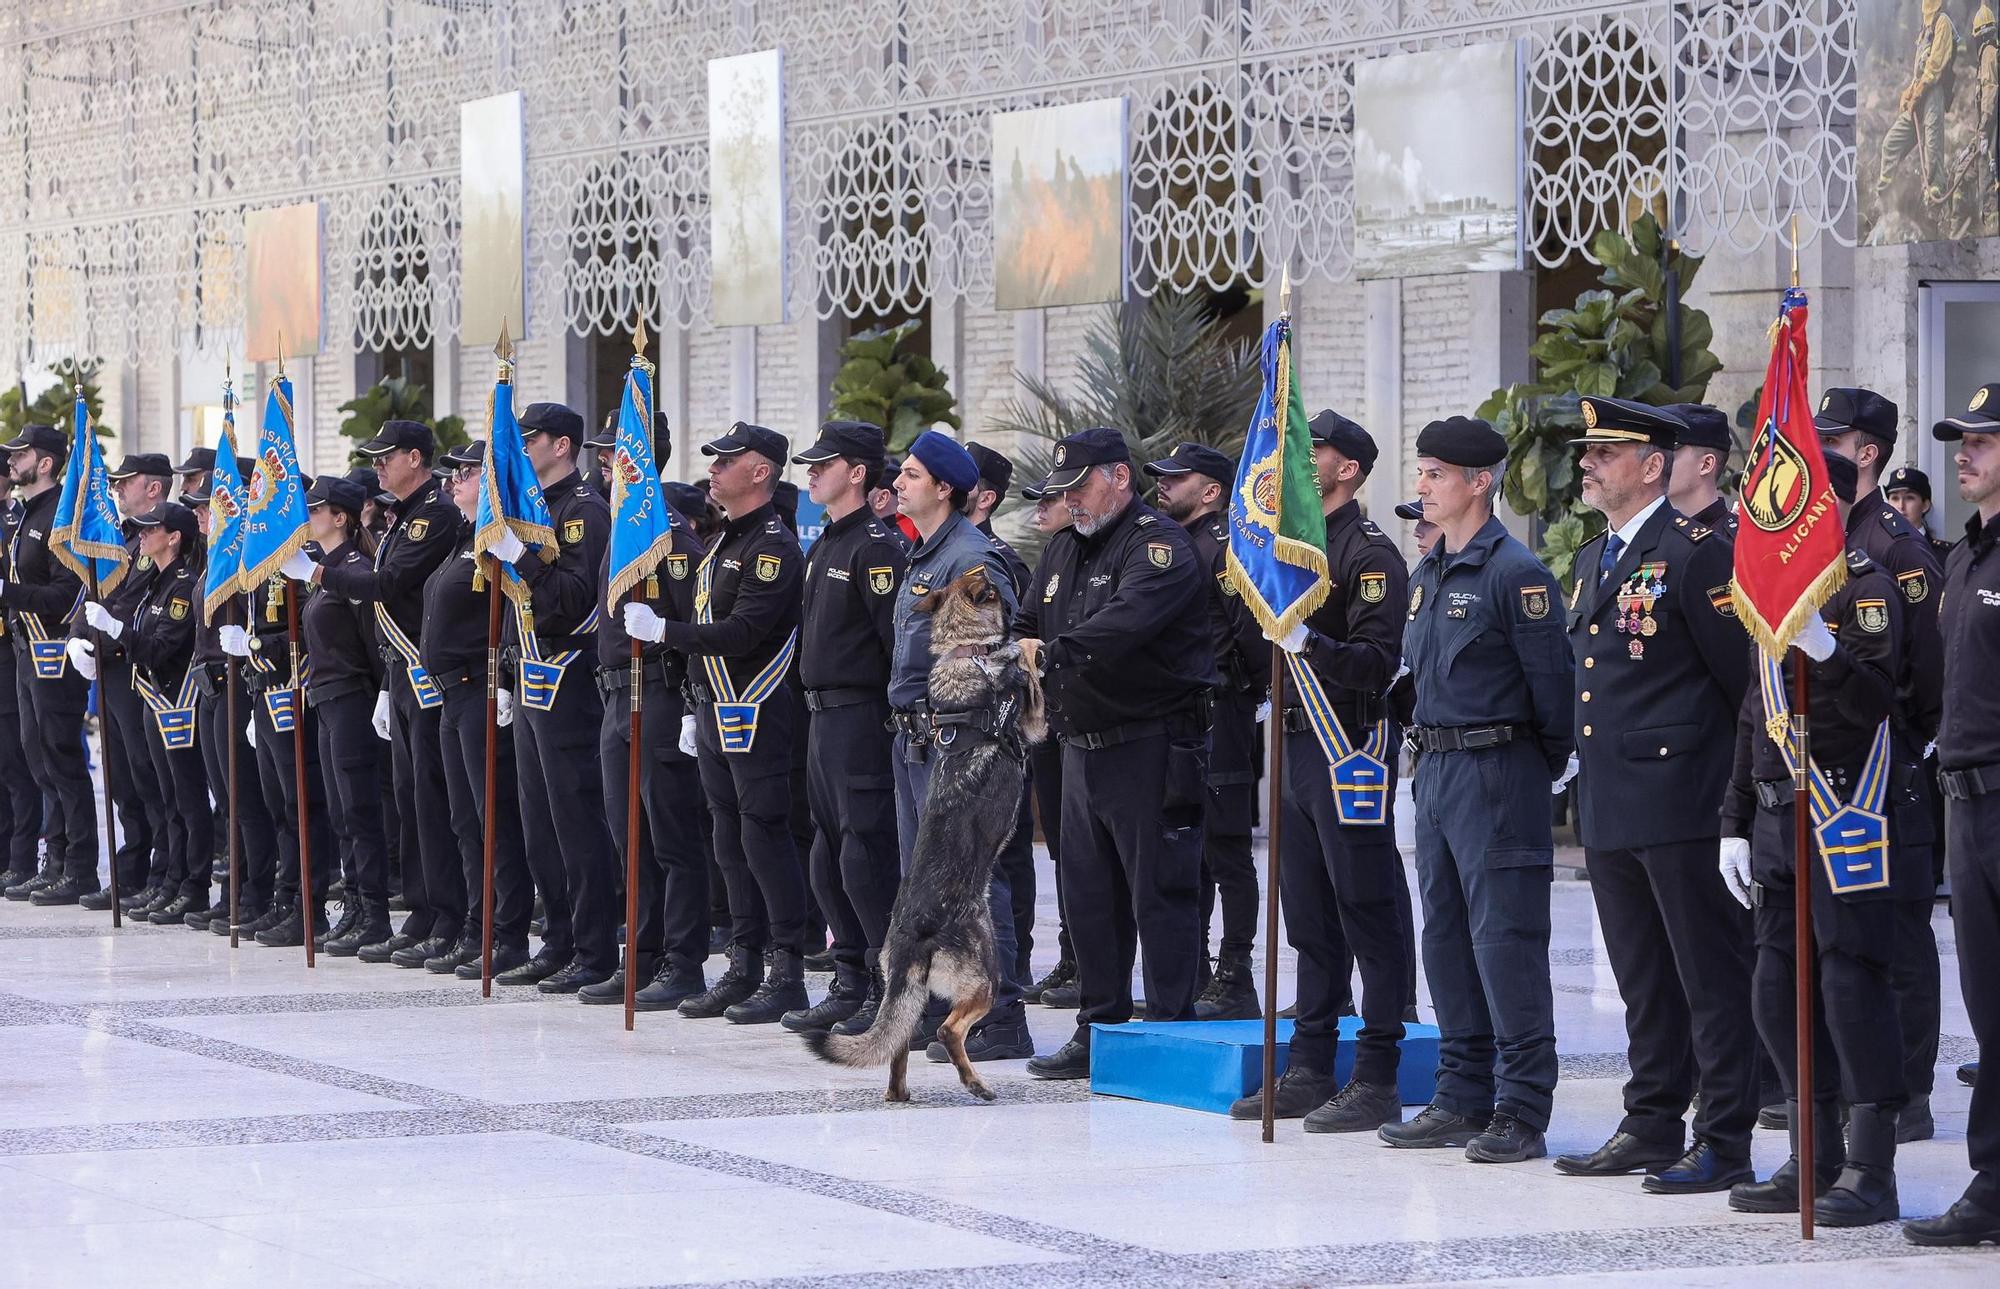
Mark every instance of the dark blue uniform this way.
pixel 159 634
pixel 1484 642
pixel 265 677
pixel 147 847
pixel 1017 857
pixel 1130 663
pixel 257 844
pixel 20 800
pixel 1648 796
pixel 347 675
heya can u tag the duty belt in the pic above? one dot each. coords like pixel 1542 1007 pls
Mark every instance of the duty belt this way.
pixel 913 722
pixel 1180 724
pixel 448 681
pixel 316 696
pixel 618 678
pixel 1963 785
pixel 1463 738
pixel 820 700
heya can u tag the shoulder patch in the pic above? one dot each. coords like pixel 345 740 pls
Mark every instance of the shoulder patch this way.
pixel 145 563
pixel 882 579
pixel 1160 553
pixel 572 532
pixel 768 566
pixel 1222 580
pixel 419 529
pixel 677 567
pixel 1916 586
pixel 1416 599
pixel 1722 600
pixel 1372 587
pixel 1535 601
pixel 177 609
pixel 1872 616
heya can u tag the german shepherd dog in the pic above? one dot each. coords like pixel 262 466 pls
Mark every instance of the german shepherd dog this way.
pixel 986 704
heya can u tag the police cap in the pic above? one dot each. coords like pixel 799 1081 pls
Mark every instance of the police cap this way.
pixel 39 438
pixel 1846 409
pixel 996 471
pixel 607 434
pixel 1078 452
pixel 1196 458
pixel 861 442
pixel 172 516
pixel 745 437
pixel 1343 436
pixel 686 498
pixel 198 460
pixel 156 464
pixel 1619 420
pixel 342 494
pixel 1981 416
pixel 400 436
pixel 1702 426
pixel 466 454
pixel 557 420
pixel 1907 478
pixel 1462 441
pixel 1412 510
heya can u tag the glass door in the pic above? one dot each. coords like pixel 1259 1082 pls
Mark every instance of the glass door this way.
pixel 1958 350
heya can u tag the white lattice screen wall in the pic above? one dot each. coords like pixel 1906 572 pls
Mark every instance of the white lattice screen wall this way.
pixel 140 133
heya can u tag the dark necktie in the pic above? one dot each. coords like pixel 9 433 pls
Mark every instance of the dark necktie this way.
pixel 1613 545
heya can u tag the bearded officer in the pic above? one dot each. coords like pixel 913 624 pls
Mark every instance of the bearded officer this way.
pixel 1851 647
pixel 1193 490
pixel 1129 660
pixel 1969 752
pixel 1485 645
pixel 1860 425
pixel 1660 678
pixel 1694 481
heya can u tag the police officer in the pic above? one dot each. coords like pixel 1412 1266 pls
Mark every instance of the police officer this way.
pixel 347 675
pixel 1852 644
pixel 1058 989
pixel 1969 751
pixel 1908 489
pixel 39 595
pixel 846 637
pixel 934 489
pixel 1860 425
pixel 1484 642
pixel 158 635
pixel 739 648
pixel 1192 487
pixel 277 709
pixel 196 473
pixel 1694 484
pixel 1017 857
pixel 456 598
pixel 560 711
pixel 1660 678
pixel 407 714
pixel 20 798
pixel 151 846
pixel 257 845
pixel 1128 656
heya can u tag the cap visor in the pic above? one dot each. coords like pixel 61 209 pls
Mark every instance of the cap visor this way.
pixel 1827 425
pixel 815 454
pixel 723 448
pixel 1064 480
pixel 1410 510
pixel 1167 466
pixel 376 448
pixel 1602 435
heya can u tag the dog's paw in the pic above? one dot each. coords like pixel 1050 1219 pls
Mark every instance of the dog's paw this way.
pixel 897 1096
pixel 981 1091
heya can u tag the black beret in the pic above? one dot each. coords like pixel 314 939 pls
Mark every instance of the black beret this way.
pixel 994 469
pixel 1981 416
pixel 137 463
pixel 1908 478
pixel 1703 426
pixel 557 419
pixel 1196 458
pixel 745 437
pixel 400 436
pixel 858 441
pixel 1462 441
pixel 1078 452
pixel 1343 436
pixel 1618 420
pixel 1846 409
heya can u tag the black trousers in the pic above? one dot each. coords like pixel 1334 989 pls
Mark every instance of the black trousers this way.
pixel 673 866
pixel 275 761
pixel 851 788
pixel 20 799
pixel 562 781
pixel 138 794
pixel 1680 950
pixel 350 755
pixel 1337 883
pixel 749 798
pixel 462 736
pixel 53 709
pixel 1045 776
pixel 190 822
pixel 433 882
pixel 1854 940
pixel 1227 868
pixel 1972 825
pixel 1132 820
pixel 257 838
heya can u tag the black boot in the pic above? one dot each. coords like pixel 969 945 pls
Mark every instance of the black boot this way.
pixel 362 932
pixel 350 917
pixel 745 974
pixel 1865 1191
pixel 175 912
pixel 840 1003
pixel 67 890
pixel 783 990
pixel 1781 1193
pixel 1063 973
pixel 290 932
pixel 1915 1122
pixel 1965 1223
pixel 1358 1107
pixel 1301 1090
pixel 669 988
pixel 871 1001
pixel 23 890
pixel 1232 992
pixel 95 901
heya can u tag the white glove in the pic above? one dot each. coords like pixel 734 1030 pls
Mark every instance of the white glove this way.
pixel 505 702
pixel 100 617
pixel 1264 711
pixel 299 566
pixel 1814 640
pixel 687 735
pixel 83 658
pixel 250 732
pixel 641 623
pixel 380 720
pixel 1735 867
pixel 507 548
pixel 235 641
pixel 1569 772
pixel 1295 639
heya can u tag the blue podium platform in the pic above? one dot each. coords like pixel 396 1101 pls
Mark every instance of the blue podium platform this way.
pixel 1206 1064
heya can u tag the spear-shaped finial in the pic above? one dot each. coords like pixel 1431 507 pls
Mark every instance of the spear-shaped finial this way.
pixel 1795 249
pixel 281 356
pixel 503 349
pixel 1285 292
pixel 639 339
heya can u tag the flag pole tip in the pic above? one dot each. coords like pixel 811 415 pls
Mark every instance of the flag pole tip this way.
pixel 1285 291
pixel 639 339
pixel 503 349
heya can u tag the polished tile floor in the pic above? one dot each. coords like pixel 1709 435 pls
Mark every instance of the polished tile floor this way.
pixel 172 1112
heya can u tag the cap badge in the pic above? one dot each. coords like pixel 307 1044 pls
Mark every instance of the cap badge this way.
pixel 1589 415
pixel 1979 399
pixel 1062 455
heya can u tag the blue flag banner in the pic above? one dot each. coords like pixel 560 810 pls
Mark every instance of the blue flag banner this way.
pixel 84 534
pixel 642 524
pixel 510 497
pixel 274 499
pixel 1277 533
pixel 227 501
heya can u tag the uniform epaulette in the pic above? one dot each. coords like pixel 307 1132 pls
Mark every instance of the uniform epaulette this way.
pixel 772 526
pixel 1690 529
pixel 1858 562
pixel 875 528
pixel 1143 520
pixel 1368 526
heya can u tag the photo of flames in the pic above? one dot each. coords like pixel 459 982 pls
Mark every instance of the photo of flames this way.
pixel 282 287
pixel 1059 205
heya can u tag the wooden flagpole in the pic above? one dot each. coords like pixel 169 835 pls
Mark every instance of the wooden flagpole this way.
pixel 1274 764
pixel 1802 945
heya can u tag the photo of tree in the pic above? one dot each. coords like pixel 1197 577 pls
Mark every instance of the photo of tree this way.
pixel 1059 178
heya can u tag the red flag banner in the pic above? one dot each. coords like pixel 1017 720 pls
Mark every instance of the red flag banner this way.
pixel 1791 551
